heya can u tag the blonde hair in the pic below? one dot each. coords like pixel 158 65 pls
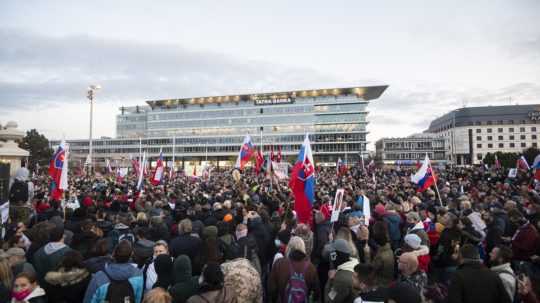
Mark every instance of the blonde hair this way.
pixel 142 217
pixel 295 243
pixel 157 295
pixel 6 275
pixel 185 227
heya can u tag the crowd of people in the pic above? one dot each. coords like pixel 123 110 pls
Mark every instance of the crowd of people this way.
pixel 472 238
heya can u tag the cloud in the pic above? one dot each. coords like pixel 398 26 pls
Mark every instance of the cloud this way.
pixel 36 68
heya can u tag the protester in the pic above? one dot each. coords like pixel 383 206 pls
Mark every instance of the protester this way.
pixel 157 295
pixel 49 256
pixel 26 290
pixel 6 280
pixel 211 287
pixel 68 283
pixel 500 258
pixel 185 285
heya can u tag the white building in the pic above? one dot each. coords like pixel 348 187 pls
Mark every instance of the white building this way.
pixel 409 150
pixel 471 133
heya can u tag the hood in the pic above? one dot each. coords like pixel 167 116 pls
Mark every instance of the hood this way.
pixel 121 226
pixel 182 269
pixel 64 278
pixel 52 247
pixel 37 292
pixel 349 265
pixel 503 267
pixel 144 243
pixel 121 271
pixel 22 174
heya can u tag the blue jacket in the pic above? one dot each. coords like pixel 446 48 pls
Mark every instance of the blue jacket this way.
pixel 97 289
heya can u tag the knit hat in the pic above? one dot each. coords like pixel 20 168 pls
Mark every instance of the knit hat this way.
pixel 341 245
pixel 413 241
pixel 379 209
pixel 228 218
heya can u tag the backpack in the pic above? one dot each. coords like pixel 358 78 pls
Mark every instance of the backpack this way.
pixel 18 192
pixel 124 234
pixel 119 291
pixel 296 290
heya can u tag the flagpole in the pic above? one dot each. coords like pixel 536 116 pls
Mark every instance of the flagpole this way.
pixel 262 146
pixel 173 155
pixel 436 186
pixel 140 148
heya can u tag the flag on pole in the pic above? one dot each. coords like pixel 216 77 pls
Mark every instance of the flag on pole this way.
pixel 158 173
pixel 279 154
pixel 142 164
pixel 424 177
pixel 109 168
pixel 272 157
pixel 522 164
pixel 259 161
pixel 497 162
pixel 536 167
pixel 302 183
pixel 362 161
pixel 341 169
pixel 58 171
pixel 246 151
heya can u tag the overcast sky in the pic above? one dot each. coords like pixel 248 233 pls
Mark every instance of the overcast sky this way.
pixel 435 56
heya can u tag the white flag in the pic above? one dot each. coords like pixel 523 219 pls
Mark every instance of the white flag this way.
pixel 64 175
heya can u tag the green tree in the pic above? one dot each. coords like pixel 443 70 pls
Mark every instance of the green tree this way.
pixel 39 149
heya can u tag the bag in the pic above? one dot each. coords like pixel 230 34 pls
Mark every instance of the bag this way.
pixel 125 234
pixel 18 192
pixel 119 291
pixel 296 290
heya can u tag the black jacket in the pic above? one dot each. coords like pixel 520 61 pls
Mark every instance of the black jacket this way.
pixel 67 286
pixel 473 282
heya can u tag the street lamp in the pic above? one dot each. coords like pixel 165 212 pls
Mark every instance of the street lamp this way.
pixel 91 90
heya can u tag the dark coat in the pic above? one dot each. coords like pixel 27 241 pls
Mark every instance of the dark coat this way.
pixel 45 262
pixel 67 286
pixel 473 282
pixel 185 285
pixel 96 264
pixel 525 242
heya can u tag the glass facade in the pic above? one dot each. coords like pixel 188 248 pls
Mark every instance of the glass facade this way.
pixel 336 120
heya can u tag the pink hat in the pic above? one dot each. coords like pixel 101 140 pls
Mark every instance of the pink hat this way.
pixel 379 209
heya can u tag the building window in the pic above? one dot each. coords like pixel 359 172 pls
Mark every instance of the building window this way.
pixel 479 156
pixel 501 138
pixel 523 144
pixel 478 138
pixel 511 137
pixel 478 145
pixel 477 123
pixel 501 145
pixel 512 145
pixel 522 129
pixel 490 145
pixel 478 130
pixel 489 130
pixel 500 130
pixel 511 129
pixel 490 138
pixel 533 129
pixel 533 137
pixel 522 137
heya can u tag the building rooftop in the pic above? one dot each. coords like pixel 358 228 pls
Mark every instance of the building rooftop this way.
pixel 365 92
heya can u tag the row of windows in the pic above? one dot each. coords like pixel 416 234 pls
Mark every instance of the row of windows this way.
pixel 414 145
pixel 510 129
pixel 510 137
pixel 410 156
pixel 510 145
pixel 478 123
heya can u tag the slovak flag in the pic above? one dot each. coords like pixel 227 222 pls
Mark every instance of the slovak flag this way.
pixel 340 167
pixel 522 163
pixel 58 170
pixel 302 183
pixel 424 177
pixel 246 151
pixel 536 167
pixel 158 173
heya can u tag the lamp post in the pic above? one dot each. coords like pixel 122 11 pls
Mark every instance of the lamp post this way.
pixel 91 91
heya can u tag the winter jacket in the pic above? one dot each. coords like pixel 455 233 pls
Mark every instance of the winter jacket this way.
pixel 185 285
pixel 384 263
pixel 449 236
pixel 340 289
pixel 48 257
pixel 244 280
pixel 393 221
pixel 83 242
pixel 525 242
pixel 473 283
pixel 508 278
pixel 186 244
pixel 36 296
pixel 279 277
pixel 67 286
pixel 99 285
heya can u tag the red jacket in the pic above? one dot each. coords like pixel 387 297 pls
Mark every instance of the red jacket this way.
pixel 525 242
